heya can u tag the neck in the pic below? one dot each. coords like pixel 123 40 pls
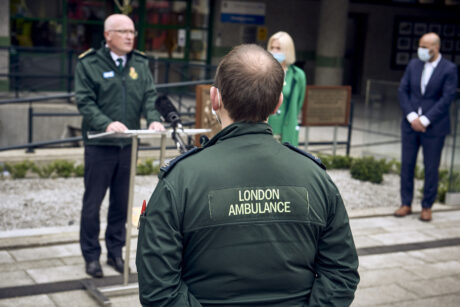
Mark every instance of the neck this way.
pixel 435 57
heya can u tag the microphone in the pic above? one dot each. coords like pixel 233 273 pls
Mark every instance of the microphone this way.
pixel 169 112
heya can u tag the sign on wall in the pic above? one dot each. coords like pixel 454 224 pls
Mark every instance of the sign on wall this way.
pixel 408 30
pixel 326 106
pixel 242 12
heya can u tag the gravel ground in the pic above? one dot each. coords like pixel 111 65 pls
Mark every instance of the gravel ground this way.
pixel 33 203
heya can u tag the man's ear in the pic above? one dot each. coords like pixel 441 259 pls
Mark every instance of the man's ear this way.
pixel 280 102
pixel 214 98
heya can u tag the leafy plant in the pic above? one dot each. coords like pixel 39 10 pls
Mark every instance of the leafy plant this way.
pixel 44 171
pixel 341 162
pixel 145 168
pixel 326 160
pixel 367 169
pixel 63 168
pixel 19 170
pixel 79 170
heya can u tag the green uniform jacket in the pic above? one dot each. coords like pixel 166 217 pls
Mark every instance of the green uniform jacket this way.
pixel 284 122
pixel 104 94
pixel 245 221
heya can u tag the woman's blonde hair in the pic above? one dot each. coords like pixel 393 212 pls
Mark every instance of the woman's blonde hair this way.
pixel 287 45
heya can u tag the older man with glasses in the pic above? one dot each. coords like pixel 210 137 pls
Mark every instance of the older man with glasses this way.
pixel 113 87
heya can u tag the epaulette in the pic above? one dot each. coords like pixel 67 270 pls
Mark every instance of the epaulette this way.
pixel 138 52
pixel 306 154
pixel 164 170
pixel 87 52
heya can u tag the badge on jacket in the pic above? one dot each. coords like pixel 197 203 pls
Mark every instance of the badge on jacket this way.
pixel 108 74
pixel 133 73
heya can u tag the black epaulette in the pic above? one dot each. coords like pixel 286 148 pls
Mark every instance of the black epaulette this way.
pixel 138 52
pixel 306 154
pixel 87 52
pixel 164 170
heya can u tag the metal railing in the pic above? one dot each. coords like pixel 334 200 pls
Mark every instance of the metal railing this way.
pixel 42 68
pixel 31 145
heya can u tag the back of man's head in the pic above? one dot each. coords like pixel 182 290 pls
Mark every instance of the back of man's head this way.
pixel 250 81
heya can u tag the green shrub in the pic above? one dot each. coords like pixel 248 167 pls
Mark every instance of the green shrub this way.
pixel 79 170
pixel 19 170
pixel 341 162
pixel 44 171
pixel 63 168
pixel 145 167
pixel 367 169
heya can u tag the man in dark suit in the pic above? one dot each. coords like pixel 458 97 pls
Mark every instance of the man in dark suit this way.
pixel 425 94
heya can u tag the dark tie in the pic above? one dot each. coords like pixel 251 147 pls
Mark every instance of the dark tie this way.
pixel 120 64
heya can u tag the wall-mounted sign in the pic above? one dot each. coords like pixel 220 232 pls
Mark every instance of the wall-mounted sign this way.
pixel 326 106
pixel 242 12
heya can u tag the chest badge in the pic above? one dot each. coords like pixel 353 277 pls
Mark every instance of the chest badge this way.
pixel 132 73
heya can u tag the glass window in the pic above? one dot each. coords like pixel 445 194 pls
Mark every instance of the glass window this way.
pixel 200 13
pixel 36 8
pixel 160 12
pixel 89 9
pixel 165 43
pixel 85 36
pixel 198 44
pixel 34 33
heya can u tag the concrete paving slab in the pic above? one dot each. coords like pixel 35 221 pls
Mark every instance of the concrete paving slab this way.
pixel 365 241
pixel 68 272
pixel 79 298
pixel 436 270
pixel 366 223
pixel 5 257
pixel 444 301
pixel 437 254
pixel 433 287
pixel 366 231
pixel 123 301
pixel 390 260
pixel 444 232
pixel 27 301
pixel 73 260
pixel 402 237
pixel 381 295
pixel 47 252
pixel 16 278
pixel 34 264
pixel 373 278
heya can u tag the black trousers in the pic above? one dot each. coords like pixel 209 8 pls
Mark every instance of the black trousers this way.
pixel 105 167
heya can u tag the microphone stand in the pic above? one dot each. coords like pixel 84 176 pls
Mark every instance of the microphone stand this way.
pixel 177 137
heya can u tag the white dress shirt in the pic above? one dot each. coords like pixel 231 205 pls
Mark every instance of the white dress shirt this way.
pixel 115 57
pixel 426 75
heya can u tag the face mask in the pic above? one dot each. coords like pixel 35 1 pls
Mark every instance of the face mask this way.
pixel 279 56
pixel 423 54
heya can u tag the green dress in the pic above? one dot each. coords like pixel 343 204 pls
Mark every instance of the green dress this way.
pixel 284 122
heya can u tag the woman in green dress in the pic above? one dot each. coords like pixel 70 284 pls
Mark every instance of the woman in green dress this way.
pixel 284 121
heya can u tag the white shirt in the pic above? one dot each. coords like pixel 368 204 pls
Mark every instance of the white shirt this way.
pixel 115 57
pixel 426 75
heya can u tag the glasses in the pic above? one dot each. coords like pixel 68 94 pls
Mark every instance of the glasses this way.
pixel 124 32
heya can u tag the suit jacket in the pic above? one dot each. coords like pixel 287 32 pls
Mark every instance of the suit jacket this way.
pixel 435 103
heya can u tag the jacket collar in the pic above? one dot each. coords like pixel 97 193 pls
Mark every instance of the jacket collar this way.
pixel 238 129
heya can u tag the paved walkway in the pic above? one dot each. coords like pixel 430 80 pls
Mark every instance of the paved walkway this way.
pixel 403 262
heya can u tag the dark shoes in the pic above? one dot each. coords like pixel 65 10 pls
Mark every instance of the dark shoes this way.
pixel 93 268
pixel 403 211
pixel 117 263
pixel 425 215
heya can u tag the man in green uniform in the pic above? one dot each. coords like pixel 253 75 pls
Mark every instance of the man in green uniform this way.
pixel 245 220
pixel 113 87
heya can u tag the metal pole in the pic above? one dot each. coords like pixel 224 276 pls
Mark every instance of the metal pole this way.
pixel 350 128
pixel 31 128
pixel 334 146
pixel 306 137
pixel 132 174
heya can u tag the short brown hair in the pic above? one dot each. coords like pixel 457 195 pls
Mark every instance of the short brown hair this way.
pixel 250 81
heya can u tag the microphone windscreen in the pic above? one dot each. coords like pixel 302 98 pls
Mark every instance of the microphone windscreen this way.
pixel 169 112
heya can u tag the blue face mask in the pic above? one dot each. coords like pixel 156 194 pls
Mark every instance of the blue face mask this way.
pixel 279 56
pixel 423 54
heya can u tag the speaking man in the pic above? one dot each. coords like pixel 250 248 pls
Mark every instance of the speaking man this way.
pixel 113 87
pixel 426 91
pixel 245 220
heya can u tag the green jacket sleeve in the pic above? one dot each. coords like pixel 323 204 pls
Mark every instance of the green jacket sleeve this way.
pixel 159 253
pixel 86 97
pixel 336 262
pixel 150 95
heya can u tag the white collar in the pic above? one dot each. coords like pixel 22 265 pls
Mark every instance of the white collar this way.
pixel 115 57
pixel 436 62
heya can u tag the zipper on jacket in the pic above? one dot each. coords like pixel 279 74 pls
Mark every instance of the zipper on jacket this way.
pixel 123 84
